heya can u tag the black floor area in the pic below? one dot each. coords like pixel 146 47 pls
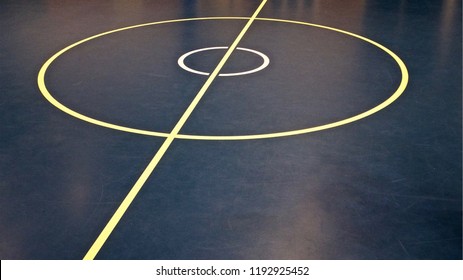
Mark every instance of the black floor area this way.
pixel 387 186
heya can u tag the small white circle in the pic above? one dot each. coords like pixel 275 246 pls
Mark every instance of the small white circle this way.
pixel 181 62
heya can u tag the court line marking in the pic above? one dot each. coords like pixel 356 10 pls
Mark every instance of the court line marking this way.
pixel 181 62
pixel 399 91
pixel 98 244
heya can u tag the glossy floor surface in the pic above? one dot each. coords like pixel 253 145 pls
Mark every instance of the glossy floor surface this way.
pixel 387 186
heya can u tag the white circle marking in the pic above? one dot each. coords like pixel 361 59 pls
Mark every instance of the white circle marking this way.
pixel 181 62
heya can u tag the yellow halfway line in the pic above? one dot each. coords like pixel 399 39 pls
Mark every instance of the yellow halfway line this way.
pixel 96 247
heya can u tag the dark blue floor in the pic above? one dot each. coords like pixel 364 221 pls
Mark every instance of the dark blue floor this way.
pixel 385 187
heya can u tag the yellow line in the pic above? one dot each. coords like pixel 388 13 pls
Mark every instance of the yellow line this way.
pixel 96 247
pixel 99 242
pixel 216 71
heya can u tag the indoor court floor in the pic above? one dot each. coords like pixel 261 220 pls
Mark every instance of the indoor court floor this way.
pixel 231 129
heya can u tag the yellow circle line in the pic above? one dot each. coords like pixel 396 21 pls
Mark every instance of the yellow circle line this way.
pixel 384 104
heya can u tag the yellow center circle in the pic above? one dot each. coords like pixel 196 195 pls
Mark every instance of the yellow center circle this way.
pixel 398 92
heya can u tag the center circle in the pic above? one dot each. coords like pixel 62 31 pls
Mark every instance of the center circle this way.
pixel 41 81
pixel 265 63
